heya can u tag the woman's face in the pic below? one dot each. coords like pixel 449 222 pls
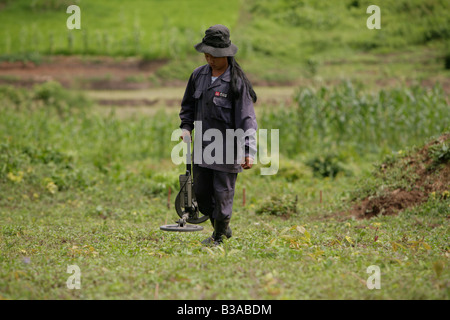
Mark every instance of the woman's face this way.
pixel 216 63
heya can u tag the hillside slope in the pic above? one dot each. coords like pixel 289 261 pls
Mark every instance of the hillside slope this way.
pixel 284 41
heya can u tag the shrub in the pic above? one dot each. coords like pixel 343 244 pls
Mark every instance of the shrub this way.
pixel 440 152
pixel 52 94
pixel 282 206
pixel 326 165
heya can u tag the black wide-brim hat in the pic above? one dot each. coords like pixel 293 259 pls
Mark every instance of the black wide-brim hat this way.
pixel 217 42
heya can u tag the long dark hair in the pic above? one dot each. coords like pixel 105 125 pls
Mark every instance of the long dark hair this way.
pixel 236 74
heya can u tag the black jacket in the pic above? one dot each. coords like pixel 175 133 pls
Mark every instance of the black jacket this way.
pixel 212 106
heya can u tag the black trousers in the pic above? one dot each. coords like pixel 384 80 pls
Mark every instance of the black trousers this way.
pixel 214 191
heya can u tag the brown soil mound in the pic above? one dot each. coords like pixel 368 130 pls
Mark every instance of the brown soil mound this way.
pixel 390 204
pixel 430 178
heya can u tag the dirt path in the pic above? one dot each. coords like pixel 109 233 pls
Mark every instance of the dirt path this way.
pixel 127 82
pixel 115 82
pixel 84 73
pixel 171 96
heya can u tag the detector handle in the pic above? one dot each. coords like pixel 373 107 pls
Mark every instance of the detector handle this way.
pixel 187 139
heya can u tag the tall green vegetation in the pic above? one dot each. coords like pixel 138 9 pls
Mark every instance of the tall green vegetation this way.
pixel 49 134
pixel 347 117
pixel 56 129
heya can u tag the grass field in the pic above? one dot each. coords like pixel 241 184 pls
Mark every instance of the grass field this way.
pixel 150 28
pixel 89 189
pixel 363 174
pixel 279 41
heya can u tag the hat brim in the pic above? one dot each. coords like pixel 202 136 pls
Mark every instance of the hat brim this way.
pixel 216 52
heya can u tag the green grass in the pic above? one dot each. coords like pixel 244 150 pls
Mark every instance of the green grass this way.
pixel 79 186
pixel 306 36
pixel 128 258
pixel 279 41
pixel 143 28
pixel 125 256
pixel 83 188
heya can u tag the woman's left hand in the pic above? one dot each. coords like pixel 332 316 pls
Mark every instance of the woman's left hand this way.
pixel 248 163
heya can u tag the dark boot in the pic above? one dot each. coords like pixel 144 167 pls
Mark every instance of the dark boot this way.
pixel 228 234
pixel 210 240
pixel 220 230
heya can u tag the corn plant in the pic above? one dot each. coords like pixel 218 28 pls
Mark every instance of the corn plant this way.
pixel 347 116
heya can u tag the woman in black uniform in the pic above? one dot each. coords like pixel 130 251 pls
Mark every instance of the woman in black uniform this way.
pixel 219 96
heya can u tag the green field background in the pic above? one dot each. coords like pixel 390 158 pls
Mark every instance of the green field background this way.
pixel 151 28
pixel 89 185
pixel 279 40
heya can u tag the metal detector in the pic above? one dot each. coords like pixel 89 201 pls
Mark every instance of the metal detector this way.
pixel 185 202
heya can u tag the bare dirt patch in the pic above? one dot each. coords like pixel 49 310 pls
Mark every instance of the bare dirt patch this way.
pixel 127 102
pixel 390 204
